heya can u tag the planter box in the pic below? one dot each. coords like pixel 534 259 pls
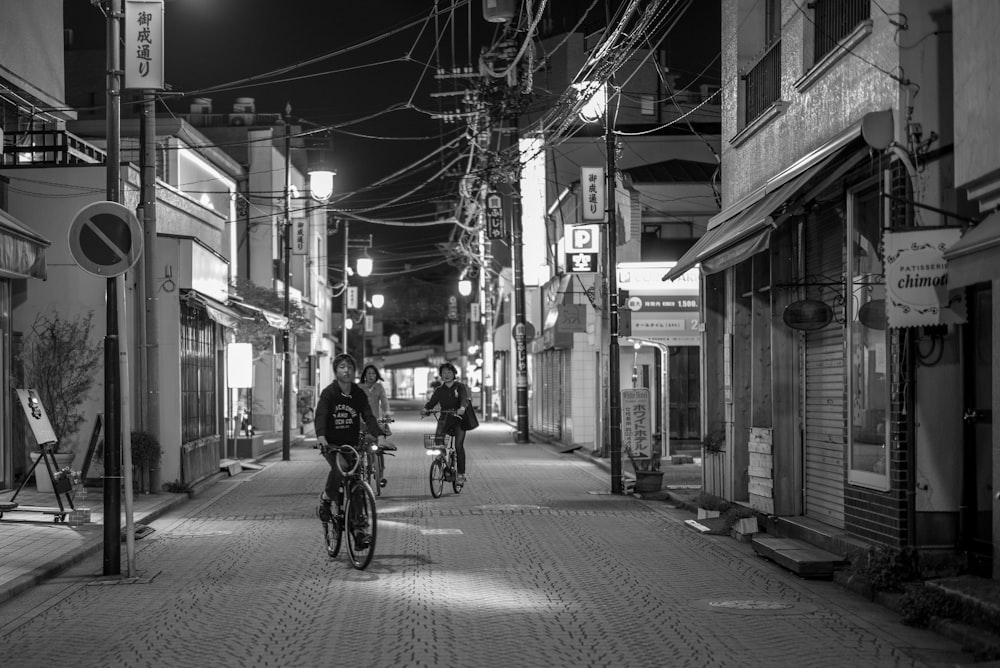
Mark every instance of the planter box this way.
pixel 250 447
pixel 648 481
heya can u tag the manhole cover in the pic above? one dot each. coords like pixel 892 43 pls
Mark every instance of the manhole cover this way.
pixel 510 506
pixel 754 606
pixel 750 605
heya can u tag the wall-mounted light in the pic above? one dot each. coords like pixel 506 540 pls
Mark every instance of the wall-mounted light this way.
pixel 378 301
pixel 465 287
pixel 365 266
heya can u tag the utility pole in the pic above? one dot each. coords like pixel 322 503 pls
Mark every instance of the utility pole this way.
pixel 286 243
pixel 150 342
pixel 614 359
pixel 112 388
pixel 520 334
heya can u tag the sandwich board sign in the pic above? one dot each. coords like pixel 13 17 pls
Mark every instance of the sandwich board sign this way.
pixel 105 239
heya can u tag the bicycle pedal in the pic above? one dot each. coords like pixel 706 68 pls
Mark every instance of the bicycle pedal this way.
pixel 383 482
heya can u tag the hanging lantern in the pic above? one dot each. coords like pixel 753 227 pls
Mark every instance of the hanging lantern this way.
pixel 499 11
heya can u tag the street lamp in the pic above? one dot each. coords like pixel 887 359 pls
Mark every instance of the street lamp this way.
pixel 364 268
pixel 464 289
pixel 592 110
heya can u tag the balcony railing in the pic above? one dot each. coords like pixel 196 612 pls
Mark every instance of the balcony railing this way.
pixel 762 83
pixel 48 147
pixel 835 19
pixel 232 119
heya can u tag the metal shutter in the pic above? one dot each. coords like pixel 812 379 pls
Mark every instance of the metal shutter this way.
pixel 824 380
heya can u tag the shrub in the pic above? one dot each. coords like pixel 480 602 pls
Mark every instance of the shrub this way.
pixel 920 603
pixel 61 362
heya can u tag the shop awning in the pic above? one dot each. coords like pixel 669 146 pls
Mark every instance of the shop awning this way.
pixel 975 258
pixel 273 319
pixel 735 235
pixel 22 251
pixel 216 310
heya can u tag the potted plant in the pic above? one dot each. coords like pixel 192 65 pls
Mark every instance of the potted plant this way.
pixel 59 361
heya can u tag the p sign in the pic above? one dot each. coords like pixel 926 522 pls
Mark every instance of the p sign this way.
pixel 105 239
pixel 583 238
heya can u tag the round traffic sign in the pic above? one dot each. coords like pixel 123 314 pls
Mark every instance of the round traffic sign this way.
pixel 105 239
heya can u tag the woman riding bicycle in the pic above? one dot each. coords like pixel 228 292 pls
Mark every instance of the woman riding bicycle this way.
pixel 343 406
pixel 451 395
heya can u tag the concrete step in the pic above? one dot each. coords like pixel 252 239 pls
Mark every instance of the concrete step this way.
pixel 802 558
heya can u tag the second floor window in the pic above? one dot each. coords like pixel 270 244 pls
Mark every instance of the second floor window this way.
pixel 835 20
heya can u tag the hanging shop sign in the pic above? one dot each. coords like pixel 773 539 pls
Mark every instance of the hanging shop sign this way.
pixel 916 279
pixel 807 315
pixel 582 248
pixel 143 38
pixel 593 207
pixel 300 238
pixel 494 217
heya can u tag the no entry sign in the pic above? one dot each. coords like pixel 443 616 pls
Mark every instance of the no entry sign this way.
pixel 105 239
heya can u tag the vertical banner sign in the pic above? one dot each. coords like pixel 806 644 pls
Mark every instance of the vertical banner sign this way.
pixel 494 217
pixel 637 440
pixel 143 36
pixel 352 297
pixel 520 338
pixel 300 242
pixel 593 184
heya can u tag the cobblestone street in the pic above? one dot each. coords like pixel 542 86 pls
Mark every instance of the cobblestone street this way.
pixel 533 564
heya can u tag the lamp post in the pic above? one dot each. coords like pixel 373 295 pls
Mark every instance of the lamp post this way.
pixel 464 290
pixel 364 269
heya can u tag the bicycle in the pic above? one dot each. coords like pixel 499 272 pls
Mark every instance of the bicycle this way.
pixel 444 466
pixel 375 472
pixel 357 516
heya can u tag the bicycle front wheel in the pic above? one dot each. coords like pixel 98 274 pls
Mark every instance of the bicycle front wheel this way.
pixel 361 524
pixel 332 535
pixel 437 477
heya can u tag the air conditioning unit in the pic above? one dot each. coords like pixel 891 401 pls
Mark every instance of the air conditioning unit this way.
pixel 241 119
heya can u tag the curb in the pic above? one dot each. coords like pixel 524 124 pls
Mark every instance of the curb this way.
pixel 54 566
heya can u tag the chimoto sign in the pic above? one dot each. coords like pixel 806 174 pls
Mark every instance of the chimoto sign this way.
pixel 916 279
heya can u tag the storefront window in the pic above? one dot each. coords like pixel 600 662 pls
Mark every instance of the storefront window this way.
pixel 867 362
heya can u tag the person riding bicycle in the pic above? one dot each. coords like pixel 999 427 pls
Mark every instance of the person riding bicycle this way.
pixel 340 413
pixel 371 383
pixel 451 395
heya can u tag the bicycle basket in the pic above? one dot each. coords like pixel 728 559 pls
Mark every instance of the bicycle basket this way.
pixel 433 441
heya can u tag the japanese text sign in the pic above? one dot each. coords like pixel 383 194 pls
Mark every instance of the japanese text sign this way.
pixel 142 33
pixel 592 187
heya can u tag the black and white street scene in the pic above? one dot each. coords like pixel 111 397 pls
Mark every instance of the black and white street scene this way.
pixel 479 333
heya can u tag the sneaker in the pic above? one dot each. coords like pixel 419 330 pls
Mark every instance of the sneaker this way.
pixel 362 540
pixel 461 479
pixel 389 447
pixel 324 511
pixel 383 482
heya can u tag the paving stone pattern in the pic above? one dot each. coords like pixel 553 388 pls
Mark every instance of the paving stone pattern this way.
pixel 533 564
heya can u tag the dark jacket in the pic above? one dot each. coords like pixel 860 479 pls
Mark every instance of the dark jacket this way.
pixel 449 398
pixel 339 416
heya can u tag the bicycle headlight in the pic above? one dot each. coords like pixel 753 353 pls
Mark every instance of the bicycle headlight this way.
pixel 433 452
